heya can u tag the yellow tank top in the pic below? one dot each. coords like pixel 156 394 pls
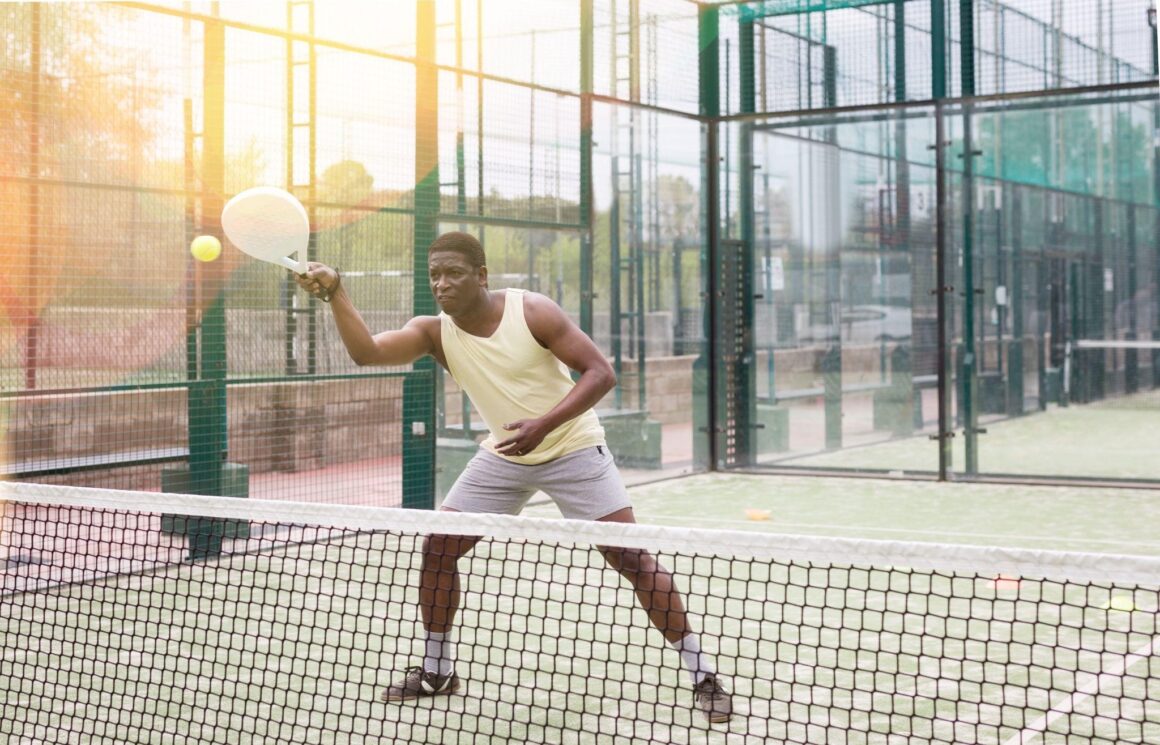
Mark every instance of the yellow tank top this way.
pixel 509 376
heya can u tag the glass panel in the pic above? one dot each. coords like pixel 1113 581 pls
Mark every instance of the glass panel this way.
pixel 648 277
pixel 1055 311
pixel 843 324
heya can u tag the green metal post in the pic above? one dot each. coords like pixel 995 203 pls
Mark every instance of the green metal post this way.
pixel 33 215
pixel 1015 301
pixel 587 297
pixel 938 49
pixel 900 51
pixel 832 359
pixel 640 309
pixel 830 76
pixel 1131 356
pixel 1075 384
pixel 968 372
pixel 1089 322
pixel 901 239
pixel 901 154
pixel 1154 294
pixel 705 410
pixel 193 288
pixel 744 379
pixel 938 54
pixel 941 287
pixel 419 391
pixel 206 401
pixel 615 314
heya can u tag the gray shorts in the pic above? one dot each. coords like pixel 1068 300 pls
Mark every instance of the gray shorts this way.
pixel 585 485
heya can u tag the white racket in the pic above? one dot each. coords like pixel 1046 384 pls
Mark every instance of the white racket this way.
pixel 270 225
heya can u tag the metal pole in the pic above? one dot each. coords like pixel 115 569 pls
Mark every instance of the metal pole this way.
pixel 744 380
pixel 705 381
pixel 206 401
pixel 586 243
pixel 1155 291
pixel 418 390
pixel 938 49
pixel 944 426
pixel 969 384
pixel 31 339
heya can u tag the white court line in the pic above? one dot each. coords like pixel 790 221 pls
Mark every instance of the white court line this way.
pixel 906 533
pixel 1083 692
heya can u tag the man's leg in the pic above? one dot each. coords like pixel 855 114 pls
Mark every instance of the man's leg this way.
pixel 439 598
pixel 653 584
pixel 487 485
pixel 661 600
pixel 439 594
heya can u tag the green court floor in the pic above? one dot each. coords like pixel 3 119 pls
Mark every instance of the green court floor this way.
pixel 1114 439
pixel 294 645
pixel 1066 518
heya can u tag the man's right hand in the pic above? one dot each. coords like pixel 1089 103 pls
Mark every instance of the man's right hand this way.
pixel 319 280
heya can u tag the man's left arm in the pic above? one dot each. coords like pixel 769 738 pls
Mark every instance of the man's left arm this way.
pixel 555 331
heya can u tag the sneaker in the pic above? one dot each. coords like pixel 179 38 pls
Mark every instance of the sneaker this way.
pixel 716 704
pixel 417 683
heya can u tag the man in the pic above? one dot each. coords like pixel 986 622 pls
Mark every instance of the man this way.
pixel 509 350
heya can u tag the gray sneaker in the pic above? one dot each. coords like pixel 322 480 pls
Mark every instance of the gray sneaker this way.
pixel 418 683
pixel 715 703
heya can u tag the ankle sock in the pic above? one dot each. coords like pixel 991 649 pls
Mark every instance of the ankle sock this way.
pixel 695 661
pixel 440 654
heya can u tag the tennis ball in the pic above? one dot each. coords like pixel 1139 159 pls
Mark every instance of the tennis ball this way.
pixel 205 248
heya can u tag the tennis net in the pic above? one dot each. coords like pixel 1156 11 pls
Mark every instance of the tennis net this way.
pixel 114 630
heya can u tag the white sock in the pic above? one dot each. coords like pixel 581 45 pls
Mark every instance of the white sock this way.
pixel 695 661
pixel 440 657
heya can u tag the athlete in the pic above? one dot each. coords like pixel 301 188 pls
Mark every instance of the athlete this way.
pixel 510 351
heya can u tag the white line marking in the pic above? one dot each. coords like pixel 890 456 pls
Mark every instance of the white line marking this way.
pixel 904 533
pixel 1090 688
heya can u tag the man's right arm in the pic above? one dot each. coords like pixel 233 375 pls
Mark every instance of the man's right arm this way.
pixel 389 348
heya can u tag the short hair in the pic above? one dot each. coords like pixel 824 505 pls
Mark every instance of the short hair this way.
pixel 461 243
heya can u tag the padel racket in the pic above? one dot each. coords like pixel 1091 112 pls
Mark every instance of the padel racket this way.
pixel 270 225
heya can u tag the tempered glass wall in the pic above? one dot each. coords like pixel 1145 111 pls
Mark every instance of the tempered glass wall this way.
pixel 844 327
pixel 1049 262
pixel 1054 260
pixel 648 310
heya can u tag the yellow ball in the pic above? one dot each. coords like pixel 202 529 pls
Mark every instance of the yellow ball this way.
pixel 205 248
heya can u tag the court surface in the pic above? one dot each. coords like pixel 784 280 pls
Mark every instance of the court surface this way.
pixel 1112 439
pixel 1063 518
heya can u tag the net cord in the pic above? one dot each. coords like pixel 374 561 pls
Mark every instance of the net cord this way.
pixel 820 550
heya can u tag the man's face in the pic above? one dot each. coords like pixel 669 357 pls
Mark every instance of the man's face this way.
pixel 454 281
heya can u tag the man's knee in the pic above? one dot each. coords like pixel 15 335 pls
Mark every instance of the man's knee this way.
pixel 630 562
pixel 443 551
